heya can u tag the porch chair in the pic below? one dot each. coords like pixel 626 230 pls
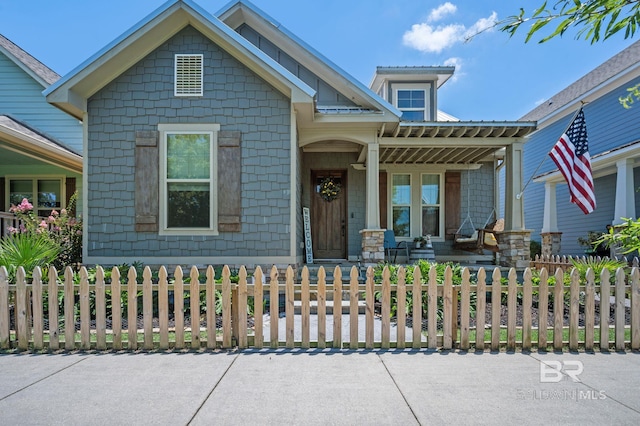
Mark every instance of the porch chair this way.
pixel 390 245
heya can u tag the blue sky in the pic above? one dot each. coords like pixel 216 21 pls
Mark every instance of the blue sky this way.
pixel 497 77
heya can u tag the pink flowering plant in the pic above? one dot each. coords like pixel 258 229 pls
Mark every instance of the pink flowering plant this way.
pixel 36 241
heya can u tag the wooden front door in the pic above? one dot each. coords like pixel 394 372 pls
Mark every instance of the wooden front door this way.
pixel 329 214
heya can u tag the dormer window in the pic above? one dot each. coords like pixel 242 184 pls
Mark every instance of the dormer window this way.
pixel 412 104
pixel 188 72
pixel 413 99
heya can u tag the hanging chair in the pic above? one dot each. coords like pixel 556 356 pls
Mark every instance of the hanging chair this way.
pixel 478 239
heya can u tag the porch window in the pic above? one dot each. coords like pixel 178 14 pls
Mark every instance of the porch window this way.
pixel 430 194
pixel 401 204
pixel 188 169
pixel 45 194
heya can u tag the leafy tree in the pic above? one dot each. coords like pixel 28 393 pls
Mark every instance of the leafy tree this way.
pixel 626 236
pixel 595 20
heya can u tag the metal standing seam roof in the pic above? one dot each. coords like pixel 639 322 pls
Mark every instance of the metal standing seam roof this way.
pixel 609 69
pixel 38 68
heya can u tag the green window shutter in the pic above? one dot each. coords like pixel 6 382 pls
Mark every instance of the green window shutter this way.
pixel 229 181
pixel 147 181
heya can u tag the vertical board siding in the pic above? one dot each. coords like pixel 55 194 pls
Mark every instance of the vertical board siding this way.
pixel 89 324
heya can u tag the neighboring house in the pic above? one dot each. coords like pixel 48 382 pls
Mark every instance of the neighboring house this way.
pixel 614 136
pixel 206 136
pixel 40 146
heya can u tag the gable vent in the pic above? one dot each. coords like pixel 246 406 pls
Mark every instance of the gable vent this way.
pixel 188 75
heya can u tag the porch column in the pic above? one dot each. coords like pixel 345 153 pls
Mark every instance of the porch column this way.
pixel 372 235
pixel 551 237
pixel 514 241
pixel 373 184
pixel 625 195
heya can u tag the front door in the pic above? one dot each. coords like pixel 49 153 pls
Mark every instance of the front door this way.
pixel 328 214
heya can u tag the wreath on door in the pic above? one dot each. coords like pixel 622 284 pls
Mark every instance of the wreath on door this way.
pixel 329 189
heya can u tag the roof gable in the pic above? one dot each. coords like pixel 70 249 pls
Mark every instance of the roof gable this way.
pixel 36 69
pixel 236 13
pixel 71 92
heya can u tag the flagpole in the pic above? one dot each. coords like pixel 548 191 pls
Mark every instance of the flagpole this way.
pixel 519 195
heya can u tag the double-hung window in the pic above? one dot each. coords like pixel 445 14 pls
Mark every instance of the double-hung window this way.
pixel 417 207
pixel 430 198
pixel 188 179
pixel 401 204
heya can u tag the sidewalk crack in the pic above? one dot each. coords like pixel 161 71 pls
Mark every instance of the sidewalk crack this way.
pixel 41 379
pixel 213 389
pixel 399 390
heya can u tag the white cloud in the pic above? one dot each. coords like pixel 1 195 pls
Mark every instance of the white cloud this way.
pixel 441 11
pixel 426 38
pixel 455 62
pixel 434 39
pixel 483 24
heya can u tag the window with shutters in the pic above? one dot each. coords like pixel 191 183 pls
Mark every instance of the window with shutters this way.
pixel 188 72
pixel 188 179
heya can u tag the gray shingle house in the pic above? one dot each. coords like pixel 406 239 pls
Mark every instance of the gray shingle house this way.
pixel 614 136
pixel 207 136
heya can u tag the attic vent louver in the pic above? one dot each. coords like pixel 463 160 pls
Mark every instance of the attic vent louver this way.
pixel 188 75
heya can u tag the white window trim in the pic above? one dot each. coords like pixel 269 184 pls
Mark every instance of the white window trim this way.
pixel 212 129
pixel 416 201
pixel 35 179
pixel 426 87
pixel 440 205
pixel 176 92
pixel 410 205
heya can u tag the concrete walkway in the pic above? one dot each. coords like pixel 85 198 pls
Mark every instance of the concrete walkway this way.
pixel 318 387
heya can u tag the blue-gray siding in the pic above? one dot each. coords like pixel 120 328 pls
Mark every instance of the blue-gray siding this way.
pixel 21 97
pixel 326 95
pixel 237 99
pixel 609 125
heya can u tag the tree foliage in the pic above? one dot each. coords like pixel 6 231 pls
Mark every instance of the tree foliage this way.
pixel 595 19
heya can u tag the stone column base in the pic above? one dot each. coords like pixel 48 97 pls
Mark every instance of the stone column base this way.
pixel 551 243
pixel 372 246
pixel 514 248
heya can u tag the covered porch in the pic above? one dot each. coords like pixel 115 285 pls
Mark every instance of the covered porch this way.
pixel 426 178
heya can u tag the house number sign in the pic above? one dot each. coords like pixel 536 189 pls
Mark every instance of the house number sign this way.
pixel 307 234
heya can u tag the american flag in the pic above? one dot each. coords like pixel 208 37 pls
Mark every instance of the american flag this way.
pixel 571 155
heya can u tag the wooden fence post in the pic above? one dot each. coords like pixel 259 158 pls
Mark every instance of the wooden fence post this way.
pixel 401 312
pixel 635 308
pixel 369 309
pixel 54 331
pixel 337 307
pixel 22 327
pixel 132 309
pixel 147 308
pixel 512 298
pixel 619 315
pixel 432 308
pixel 574 309
pixel 69 315
pixel 527 296
pixel 85 315
pixel 242 308
pixel 558 310
pixel 227 325
pixel 543 309
pixel 354 293
pixel 305 308
pixel 465 302
pixel 496 302
pixel 211 308
pixel 116 308
pixel 605 303
pixel 194 305
pixel 178 306
pixel 274 307
pixel 101 310
pixel 258 338
pixel 5 336
pixel 481 308
pixel 38 323
pixel 447 320
pixel 589 310
pixel 322 308
pixel 163 307
pixel 386 307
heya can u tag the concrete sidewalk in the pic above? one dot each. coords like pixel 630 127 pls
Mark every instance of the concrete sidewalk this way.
pixel 317 387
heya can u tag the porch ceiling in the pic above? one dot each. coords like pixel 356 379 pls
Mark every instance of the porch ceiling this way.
pixel 436 155
pixel 448 142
